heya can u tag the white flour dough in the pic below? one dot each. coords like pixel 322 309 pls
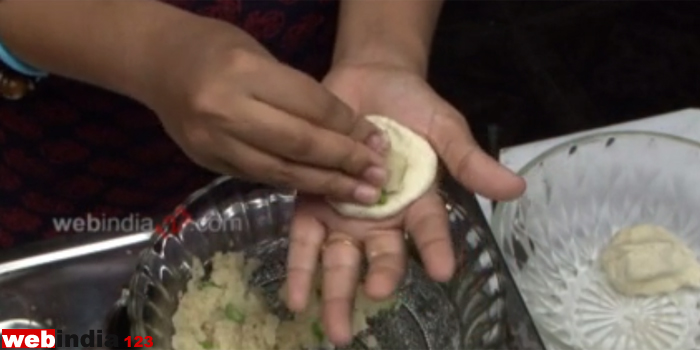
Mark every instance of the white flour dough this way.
pixel 648 260
pixel 412 166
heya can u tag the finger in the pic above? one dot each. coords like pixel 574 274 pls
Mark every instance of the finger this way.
pixel 294 139
pixel 386 255
pixel 214 164
pixel 305 243
pixel 210 161
pixel 301 95
pixel 341 272
pixel 465 160
pixel 428 225
pixel 274 171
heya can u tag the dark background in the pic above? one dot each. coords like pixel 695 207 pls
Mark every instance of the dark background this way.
pixel 535 69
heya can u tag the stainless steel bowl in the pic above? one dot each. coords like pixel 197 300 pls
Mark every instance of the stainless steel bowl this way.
pixel 479 309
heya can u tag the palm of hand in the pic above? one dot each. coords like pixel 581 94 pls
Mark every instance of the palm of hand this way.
pixel 382 240
pixel 392 92
pixel 408 99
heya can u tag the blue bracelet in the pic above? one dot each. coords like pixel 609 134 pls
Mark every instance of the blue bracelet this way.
pixel 19 66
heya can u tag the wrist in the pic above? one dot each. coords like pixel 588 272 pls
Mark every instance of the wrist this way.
pixel 168 58
pixel 404 55
pixel 186 51
pixel 389 33
pixel 153 58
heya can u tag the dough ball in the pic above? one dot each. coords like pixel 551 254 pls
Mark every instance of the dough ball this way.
pixel 648 260
pixel 412 166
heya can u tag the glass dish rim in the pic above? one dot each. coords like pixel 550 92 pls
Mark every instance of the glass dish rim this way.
pixel 499 212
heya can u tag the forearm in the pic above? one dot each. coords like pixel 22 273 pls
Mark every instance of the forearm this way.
pixel 108 43
pixel 395 31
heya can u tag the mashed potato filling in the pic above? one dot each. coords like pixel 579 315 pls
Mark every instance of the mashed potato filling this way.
pixel 224 313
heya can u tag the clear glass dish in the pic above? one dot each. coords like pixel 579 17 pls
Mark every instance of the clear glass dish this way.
pixel 478 309
pixel 579 194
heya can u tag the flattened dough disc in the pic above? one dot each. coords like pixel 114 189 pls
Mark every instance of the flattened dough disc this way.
pixel 413 167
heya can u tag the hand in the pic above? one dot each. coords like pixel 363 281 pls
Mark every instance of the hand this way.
pixel 343 244
pixel 405 96
pixel 234 109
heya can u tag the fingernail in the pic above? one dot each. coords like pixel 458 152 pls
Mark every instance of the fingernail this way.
pixel 378 142
pixel 376 176
pixel 366 194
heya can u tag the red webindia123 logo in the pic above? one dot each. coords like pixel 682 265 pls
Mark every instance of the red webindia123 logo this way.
pixel 28 338
pixel 51 338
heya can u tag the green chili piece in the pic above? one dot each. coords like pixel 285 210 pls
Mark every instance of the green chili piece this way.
pixel 207 344
pixel 383 198
pixel 233 314
pixel 208 284
pixel 317 330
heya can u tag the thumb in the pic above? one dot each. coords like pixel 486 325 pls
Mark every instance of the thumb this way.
pixel 468 163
